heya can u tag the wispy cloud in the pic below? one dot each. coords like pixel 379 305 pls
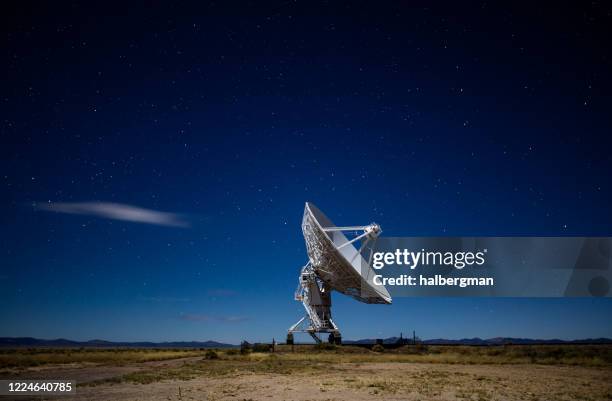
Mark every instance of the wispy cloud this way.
pixel 195 317
pixel 116 211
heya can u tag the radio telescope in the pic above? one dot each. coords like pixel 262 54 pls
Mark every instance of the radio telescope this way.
pixel 334 263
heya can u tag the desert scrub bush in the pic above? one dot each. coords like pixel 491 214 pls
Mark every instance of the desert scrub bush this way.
pixel 378 348
pixel 232 351
pixel 211 354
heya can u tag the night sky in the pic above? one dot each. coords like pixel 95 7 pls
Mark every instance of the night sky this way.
pixel 205 130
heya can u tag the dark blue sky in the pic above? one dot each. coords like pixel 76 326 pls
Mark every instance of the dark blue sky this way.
pixel 452 120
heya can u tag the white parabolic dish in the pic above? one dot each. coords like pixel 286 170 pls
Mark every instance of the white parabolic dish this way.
pixel 343 268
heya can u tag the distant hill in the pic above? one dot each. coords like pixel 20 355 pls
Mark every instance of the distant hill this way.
pixel 13 342
pixel 489 341
pixel 60 342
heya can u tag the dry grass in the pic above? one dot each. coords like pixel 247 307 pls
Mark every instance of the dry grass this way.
pixel 286 363
pixel 224 366
pixel 31 357
pixel 579 355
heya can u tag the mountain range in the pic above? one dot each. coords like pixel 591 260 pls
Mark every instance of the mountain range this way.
pixel 61 342
pixel 488 341
pixel 8 342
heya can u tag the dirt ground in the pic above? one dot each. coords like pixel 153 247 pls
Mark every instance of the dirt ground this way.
pixel 89 372
pixel 346 381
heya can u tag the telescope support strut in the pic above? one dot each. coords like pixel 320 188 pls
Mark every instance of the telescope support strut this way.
pixel 316 298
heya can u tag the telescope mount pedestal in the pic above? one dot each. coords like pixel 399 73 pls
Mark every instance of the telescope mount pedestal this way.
pixel 316 298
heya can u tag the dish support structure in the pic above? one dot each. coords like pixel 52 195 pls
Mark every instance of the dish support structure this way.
pixel 315 294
